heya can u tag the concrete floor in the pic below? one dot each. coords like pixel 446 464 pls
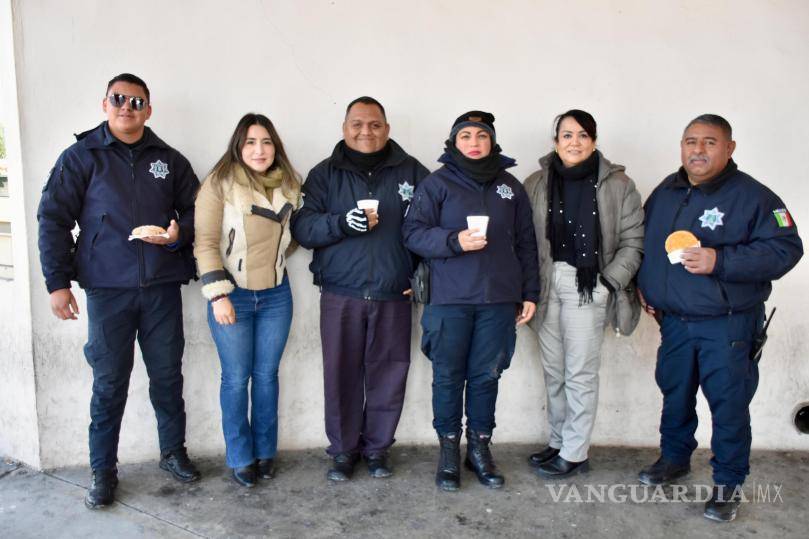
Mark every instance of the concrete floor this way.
pixel 299 502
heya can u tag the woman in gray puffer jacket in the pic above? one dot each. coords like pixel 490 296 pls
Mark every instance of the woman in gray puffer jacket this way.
pixel 589 227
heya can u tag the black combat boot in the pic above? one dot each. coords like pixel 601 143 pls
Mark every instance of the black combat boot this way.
pixel 479 459
pixel 448 474
pixel 102 491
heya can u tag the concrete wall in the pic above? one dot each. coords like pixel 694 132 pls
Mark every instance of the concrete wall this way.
pixel 642 68
pixel 19 427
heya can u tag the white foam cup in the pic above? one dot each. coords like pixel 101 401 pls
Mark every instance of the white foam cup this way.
pixel 481 222
pixel 368 204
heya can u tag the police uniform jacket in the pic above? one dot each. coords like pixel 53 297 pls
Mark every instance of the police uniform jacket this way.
pixel 373 265
pixel 109 189
pixel 755 239
pixel 506 270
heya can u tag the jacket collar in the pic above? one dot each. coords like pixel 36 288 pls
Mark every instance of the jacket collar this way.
pixel 395 158
pixel 449 165
pixel 605 167
pixel 100 137
pixel 505 161
pixel 680 180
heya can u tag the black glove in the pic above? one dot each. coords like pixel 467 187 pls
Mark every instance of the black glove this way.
pixel 354 222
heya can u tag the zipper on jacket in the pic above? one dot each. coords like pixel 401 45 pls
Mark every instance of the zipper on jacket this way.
pixel 680 207
pixel 367 291
pixel 485 207
pixel 138 244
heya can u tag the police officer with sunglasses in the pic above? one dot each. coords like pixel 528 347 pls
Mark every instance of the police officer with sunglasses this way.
pixel 119 176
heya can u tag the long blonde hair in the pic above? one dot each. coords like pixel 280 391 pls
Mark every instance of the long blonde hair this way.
pixel 291 183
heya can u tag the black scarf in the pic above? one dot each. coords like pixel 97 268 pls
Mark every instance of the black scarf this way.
pixel 588 232
pixel 481 170
pixel 367 162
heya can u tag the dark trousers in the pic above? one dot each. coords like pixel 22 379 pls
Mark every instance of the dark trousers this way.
pixel 469 345
pixel 116 316
pixel 713 354
pixel 366 356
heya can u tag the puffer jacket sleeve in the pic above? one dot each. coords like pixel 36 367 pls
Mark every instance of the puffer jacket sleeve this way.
pixel 774 247
pixel 210 208
pixel 421 231
pixel 527 247
pixel 629 252
pixel 59 209
pixel 312 225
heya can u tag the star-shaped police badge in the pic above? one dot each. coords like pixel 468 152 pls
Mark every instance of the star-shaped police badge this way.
pixel 712 218
pixel 505 191
pixel 405 191
pixel 159 169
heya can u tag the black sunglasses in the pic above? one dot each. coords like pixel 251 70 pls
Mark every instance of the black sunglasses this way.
pixel 118 100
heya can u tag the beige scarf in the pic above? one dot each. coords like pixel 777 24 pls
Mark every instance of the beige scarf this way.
pixel 268 182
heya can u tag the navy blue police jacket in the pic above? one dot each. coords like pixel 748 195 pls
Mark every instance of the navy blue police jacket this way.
pixel 750 228
pixel 507 269
pixel 109 189
pixel 374 265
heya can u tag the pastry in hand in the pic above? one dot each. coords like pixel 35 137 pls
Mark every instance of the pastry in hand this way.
pixel 677 241
pixel 146 231
pixel 681 239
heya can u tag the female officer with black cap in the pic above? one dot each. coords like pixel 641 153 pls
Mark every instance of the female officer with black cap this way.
pixel 481 277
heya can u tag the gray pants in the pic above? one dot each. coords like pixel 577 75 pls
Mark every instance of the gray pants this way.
pixel 570 339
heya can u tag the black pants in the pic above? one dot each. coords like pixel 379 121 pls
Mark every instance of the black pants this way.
pixel 366 356
pixel 116 316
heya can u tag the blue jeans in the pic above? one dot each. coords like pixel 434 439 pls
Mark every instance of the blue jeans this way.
pixel 252 348
pixel 470 346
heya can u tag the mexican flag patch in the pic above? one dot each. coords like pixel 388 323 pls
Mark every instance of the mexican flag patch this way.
pixel 783 218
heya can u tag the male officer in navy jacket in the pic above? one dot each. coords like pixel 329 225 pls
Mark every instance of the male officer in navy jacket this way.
pixel 362 269
pixel 116 177
pixel 710 304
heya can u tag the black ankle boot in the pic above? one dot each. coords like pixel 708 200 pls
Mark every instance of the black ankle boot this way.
pixel 245 476
pixel 448 475
pixel 479 459
pixel 102 491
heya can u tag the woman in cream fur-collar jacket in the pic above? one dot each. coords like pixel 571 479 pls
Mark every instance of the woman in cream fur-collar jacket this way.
pixel 241 225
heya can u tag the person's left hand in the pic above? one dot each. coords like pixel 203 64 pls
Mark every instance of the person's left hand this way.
pixel 527 312
pixel 699 260
pixel 173 231
pixel 408 292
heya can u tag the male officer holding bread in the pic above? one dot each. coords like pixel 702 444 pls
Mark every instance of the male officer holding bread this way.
pixel 729 236
pixel 132 196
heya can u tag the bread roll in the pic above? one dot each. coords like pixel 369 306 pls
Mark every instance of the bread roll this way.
pixel 148 230
pixel 681 239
